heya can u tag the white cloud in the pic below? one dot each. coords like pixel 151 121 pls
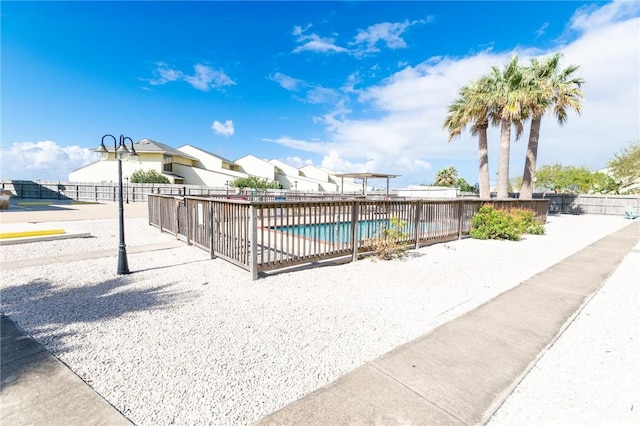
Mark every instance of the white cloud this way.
pixel 404 132
pixel 310 93
pixel 204 77
pixel 165 74
pixel 542 30
pixel 315 43
pixel 389 33
pixel 365 41
pixel 224 129
pixel 45 159
pixel 297 161
pixel 287 82
pixel 316 147
pixel 592 17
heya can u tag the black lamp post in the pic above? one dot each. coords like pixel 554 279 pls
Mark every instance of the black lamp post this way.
pixel 121 153
pixel 126 190
pixel 226 184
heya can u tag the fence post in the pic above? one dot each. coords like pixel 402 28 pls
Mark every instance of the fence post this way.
pixel 159 208
pixel 253 243
pixel 417 222
pixel 355 210
pixel 460 218
pixel 187 214
pixel 214 231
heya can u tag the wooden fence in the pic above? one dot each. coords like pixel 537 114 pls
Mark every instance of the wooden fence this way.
pixel 269 235
pixel 590 203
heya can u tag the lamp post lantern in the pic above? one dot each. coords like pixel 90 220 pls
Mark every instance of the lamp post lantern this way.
pixel 121 153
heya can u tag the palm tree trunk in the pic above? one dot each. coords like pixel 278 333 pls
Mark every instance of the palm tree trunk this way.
pixel 483 170
pixel 529 174
pixel 503 165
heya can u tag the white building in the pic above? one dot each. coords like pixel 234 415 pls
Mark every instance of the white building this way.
pixel 190 165
pixel 424 191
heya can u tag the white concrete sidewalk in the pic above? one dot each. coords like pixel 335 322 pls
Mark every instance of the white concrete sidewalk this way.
pixel 591 375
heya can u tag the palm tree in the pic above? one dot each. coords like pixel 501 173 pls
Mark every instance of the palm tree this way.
pixel 506 103
pixel 446 176
pixel 547 87
pixel 472 108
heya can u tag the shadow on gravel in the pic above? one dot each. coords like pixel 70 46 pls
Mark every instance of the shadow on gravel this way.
pixel 169 266
pixel 45 311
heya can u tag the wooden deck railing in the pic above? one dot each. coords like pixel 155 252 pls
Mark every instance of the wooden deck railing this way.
pixel 269 235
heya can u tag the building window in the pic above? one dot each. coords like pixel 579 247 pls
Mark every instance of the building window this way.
pixel 167 164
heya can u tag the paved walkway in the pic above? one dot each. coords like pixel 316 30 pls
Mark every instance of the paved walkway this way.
pixel 39 389
pixel 459 373
pixel 61 210
pixel 40 261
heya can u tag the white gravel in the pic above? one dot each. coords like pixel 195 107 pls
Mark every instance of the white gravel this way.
pixel 189 340
pixel 104 235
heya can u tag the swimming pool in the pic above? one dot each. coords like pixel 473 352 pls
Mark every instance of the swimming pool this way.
pixel 339 232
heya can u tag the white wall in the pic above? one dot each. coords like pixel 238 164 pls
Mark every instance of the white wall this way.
pixel 196 176
pixel 315 173
pixel 257 167
pixel 419 191
pixel 107 170
pixel 206 160
pixel 287 170
pixel 301 184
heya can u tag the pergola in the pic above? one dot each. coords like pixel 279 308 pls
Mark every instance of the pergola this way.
pixel 365 177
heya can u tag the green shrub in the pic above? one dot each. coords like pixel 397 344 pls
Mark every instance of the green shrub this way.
pixel 388 243
pixel 491 224
pixel 526 219
pixel 148 176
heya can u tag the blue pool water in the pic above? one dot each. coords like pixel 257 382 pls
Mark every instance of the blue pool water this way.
pixel 337 232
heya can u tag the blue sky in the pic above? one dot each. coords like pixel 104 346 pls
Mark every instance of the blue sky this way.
pixel 351 86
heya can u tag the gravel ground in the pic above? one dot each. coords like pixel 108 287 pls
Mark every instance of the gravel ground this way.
pixel 104 235
pixel 599 355
pixel 189 340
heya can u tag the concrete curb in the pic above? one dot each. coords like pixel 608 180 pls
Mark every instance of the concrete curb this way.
pixel 36 236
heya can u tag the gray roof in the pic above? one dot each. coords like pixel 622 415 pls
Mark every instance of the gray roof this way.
pixel 366 175
pixel 147 145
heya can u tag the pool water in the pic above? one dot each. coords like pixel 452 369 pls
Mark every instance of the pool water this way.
pixel 339 232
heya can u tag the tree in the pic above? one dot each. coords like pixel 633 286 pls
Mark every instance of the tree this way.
pixel 254 182
pixel 446 176
pixel 506 109
pixel 464 186
pixel 604 184
pixel 148 176
pixel 546 87
pixel 472 108
pixel 569 179
pixel 625 167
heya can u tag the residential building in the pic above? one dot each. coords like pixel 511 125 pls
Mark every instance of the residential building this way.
pixel 191 165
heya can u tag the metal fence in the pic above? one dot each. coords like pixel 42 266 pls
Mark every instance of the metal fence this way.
pixel 138 192
pixel 263 235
